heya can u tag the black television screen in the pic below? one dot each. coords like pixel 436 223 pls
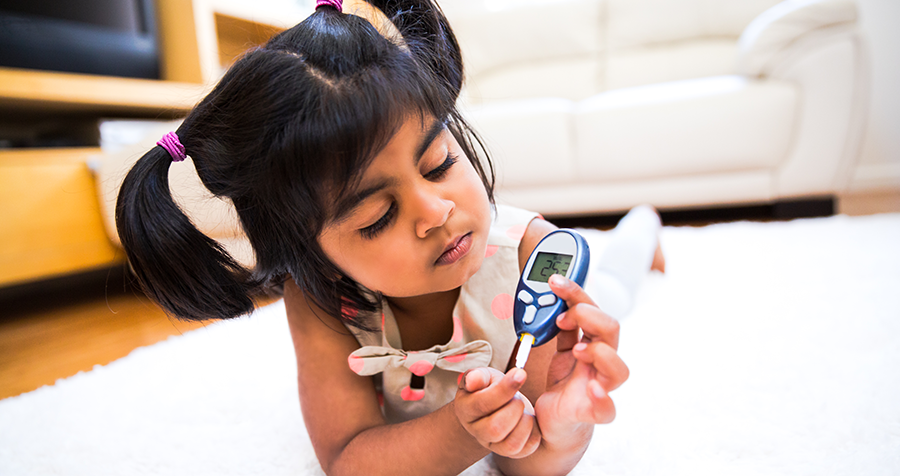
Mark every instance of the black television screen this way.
pixel 105 37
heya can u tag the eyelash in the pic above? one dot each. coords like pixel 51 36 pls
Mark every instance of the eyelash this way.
pixel 435 174
pixel 438 172
pixel 374 229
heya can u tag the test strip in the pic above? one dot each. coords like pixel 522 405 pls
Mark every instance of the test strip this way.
pixel 527 341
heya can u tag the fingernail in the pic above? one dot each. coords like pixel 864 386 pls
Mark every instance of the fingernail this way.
pixel 482 375
pixel 580 347
pixel 559 280
pixel 519 376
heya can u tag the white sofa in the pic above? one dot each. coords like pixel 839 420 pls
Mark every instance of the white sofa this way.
pixel 594 106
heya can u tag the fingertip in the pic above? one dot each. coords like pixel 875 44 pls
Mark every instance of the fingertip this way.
pixel 596 390
pixel 474 380
pixel 559 282
pixel 564 323
pixel 518 375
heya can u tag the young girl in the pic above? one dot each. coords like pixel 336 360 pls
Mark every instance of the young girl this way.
pixel 359 187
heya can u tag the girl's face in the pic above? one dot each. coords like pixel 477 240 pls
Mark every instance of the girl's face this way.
pixel 419 219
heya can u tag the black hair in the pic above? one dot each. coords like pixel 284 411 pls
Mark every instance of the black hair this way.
pixel 289 127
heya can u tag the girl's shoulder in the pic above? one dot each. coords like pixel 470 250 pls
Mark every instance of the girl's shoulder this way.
pixel 519 229
pixel 509 225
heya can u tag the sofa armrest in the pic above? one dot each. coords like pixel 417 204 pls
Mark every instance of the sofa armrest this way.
pixel 779 27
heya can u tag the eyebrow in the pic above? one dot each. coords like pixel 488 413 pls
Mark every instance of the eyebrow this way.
pixel 346 206
pixel 436 128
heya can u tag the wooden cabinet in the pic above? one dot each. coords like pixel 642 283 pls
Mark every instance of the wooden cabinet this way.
pixel 50 221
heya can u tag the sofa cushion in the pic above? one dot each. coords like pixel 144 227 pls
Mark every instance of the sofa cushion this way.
pixel 688 59
pixel 568 78
pixel 646 22
pixel 525 136
pixel 669 192
pixel 498 33
pixel 703 126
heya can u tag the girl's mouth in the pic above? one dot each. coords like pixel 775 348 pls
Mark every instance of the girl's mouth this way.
pixel 456 250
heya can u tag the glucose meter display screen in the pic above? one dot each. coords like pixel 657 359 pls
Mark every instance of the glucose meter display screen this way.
pixel 548 264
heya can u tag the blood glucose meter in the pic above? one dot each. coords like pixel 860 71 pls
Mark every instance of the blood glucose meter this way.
pixel 563 252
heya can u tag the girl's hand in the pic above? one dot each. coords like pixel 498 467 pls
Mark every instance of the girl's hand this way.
pixel 583 371
pixel 489 406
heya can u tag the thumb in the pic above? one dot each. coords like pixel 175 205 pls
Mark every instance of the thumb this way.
pixel 573 294
pixel 480 378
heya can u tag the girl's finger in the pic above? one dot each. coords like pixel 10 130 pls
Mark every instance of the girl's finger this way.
pixel 603 408
pixel 568 290
pixel 605 361
pixel 475 379
pixel 521 441
pixel 501 389
pixel 596 324
pixel 497 426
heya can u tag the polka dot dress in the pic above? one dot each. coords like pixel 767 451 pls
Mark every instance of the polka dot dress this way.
pixel 416 382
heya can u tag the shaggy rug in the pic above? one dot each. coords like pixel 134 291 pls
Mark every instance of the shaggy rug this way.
pixel 765 349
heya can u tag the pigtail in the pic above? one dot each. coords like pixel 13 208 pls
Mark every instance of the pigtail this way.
pixel 187 273
pixel 427 34
pixel 429 37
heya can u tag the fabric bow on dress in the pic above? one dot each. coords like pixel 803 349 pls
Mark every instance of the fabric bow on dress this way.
pixel 370 360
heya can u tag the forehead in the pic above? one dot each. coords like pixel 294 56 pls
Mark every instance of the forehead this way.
pixel 410 141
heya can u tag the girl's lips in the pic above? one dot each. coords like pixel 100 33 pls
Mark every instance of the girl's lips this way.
pixel 456 250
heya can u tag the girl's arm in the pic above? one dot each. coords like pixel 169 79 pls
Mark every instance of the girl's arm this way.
pixel 344 420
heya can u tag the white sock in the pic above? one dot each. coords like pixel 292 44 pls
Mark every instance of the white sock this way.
pixel 618 268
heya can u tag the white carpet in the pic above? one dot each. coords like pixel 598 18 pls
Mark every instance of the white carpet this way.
pixel 765 349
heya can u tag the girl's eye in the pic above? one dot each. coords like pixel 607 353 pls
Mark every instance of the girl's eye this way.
pixel 438 172
pixel 374 229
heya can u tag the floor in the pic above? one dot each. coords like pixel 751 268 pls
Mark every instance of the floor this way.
pixel 57 328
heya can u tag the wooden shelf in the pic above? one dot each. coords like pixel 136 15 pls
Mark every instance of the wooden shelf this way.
pixel 51 215
pixel 48 91
pixel 52 224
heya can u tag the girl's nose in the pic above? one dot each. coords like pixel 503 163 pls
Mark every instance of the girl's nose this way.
pixel 433 213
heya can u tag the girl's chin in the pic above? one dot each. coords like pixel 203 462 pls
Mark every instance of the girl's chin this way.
pixel 471 263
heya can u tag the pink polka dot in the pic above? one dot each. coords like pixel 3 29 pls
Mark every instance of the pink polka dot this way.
pixel 457 330
pixel 356 363
pixel 421 368
pixel 502 306
pixel 516 232
pixel 456 358
pixel 411 395
pixel 491 249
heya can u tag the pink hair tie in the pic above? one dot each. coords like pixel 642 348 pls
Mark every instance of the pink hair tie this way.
pixel 333 3
pixel 173 146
